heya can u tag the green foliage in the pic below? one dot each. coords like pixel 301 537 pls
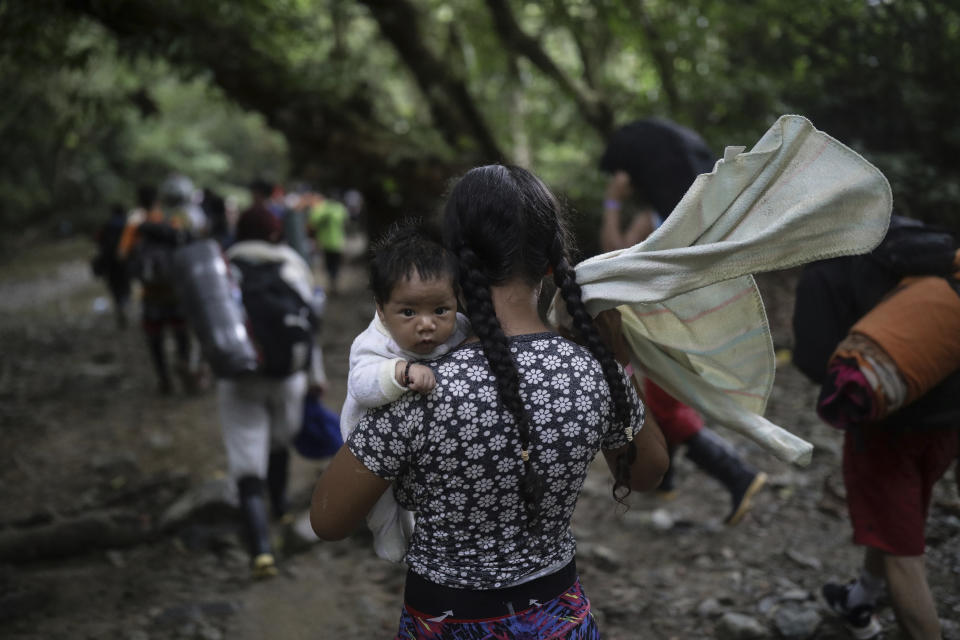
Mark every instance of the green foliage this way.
pixel 198 132
pixel 880 75
pixel 85 126
pixel 104 93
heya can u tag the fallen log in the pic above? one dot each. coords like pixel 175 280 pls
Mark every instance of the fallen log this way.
pixel 62 537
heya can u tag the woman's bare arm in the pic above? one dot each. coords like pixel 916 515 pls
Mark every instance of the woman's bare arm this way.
pixel 652 459
pixel 343 496
pixel 639 229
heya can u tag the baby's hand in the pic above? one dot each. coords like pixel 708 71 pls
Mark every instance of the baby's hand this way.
pixel 421 379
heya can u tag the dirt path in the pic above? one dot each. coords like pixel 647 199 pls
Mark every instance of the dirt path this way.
pixel 81 427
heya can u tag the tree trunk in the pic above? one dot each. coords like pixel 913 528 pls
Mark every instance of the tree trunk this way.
pixel 659 54
pixel 333 140
pixel 594 110
pixel 451 106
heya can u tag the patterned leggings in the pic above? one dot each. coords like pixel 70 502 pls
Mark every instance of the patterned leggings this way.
pixel 565 617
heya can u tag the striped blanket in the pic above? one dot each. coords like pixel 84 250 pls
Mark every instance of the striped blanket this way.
pixel 692 313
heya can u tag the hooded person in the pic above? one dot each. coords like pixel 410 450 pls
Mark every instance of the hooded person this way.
pixel 661 158
pixel 653 162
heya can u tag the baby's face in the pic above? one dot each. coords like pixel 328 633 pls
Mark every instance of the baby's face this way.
pixel 420 314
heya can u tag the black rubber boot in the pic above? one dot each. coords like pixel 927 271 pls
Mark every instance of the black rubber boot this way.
pixel 667 489
pixel 717 458
pixel 253 504
pixel 277 473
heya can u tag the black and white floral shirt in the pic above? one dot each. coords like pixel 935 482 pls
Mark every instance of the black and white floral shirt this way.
pixel 455 456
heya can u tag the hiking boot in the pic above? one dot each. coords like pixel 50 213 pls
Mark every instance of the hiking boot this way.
pixel 741 499
pixel 860 620
pixel 667 489
pixel 718 459
pixel 253 508
pixel 264 566
pixel 278 472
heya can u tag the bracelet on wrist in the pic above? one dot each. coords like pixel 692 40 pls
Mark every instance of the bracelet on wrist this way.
pixel 612 205
pixel 406 373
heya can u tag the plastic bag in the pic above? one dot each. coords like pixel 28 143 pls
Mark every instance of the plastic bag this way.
pixel 319 437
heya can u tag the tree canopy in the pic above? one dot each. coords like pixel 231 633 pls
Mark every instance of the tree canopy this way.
pixel 395 97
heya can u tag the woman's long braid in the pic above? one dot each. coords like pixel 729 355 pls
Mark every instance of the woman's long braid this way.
pixel 565 279
pixel 496 348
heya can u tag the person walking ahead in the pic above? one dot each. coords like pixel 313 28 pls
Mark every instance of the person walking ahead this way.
pixel 328 219
pixel 654 162
pixel 260 413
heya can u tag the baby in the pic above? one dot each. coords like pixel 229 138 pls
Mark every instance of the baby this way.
pixel 414 287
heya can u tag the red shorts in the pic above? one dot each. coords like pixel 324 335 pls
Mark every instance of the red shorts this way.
pixel 677 421
pixel 889 480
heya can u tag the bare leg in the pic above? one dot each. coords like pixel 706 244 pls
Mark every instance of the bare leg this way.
pixel 911 597
pixel 159 357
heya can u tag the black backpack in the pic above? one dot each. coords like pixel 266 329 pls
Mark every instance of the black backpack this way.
pixel 152 261
pixel 280 322
pixel 833 294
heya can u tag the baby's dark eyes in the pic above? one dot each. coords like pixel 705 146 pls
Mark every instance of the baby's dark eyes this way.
pixel 441 310
pixel 408 313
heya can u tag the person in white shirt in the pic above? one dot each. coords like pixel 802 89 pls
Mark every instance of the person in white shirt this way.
pixel 261 413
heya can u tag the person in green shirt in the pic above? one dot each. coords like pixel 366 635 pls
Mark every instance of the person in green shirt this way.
pixel 327 220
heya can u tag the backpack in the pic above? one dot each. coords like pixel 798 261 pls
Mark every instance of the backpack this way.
pixel 833 294
pixel 153 260
pixel 280 322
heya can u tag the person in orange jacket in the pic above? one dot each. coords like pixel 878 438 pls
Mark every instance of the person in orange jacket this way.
pixel 147 243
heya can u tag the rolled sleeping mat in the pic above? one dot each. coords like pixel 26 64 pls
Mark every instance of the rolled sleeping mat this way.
pixel 211 302
pixel 895 355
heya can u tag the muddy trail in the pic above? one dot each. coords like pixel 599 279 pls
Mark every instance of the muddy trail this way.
pixel 115 522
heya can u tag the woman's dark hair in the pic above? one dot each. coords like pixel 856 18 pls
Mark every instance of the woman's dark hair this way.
pixel 502 222
pixel 408 246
